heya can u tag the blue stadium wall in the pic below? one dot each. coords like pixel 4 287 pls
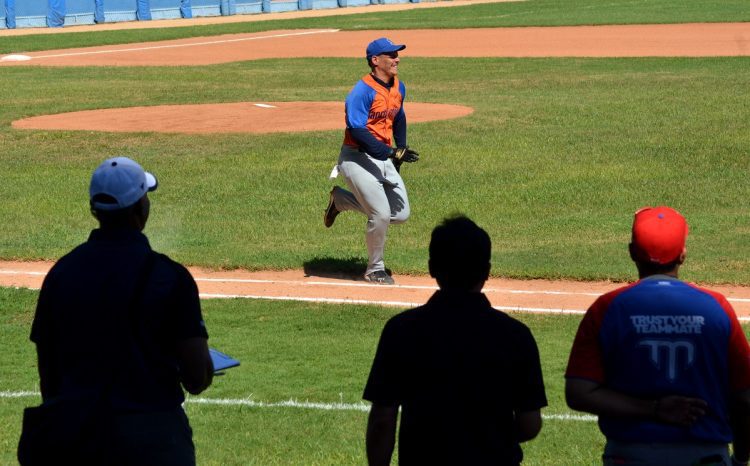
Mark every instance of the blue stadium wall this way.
pixel 58 13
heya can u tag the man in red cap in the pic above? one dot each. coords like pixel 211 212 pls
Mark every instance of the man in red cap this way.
pixel 663 363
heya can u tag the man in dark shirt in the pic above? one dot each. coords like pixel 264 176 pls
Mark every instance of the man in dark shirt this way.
pixel 119 322
pixel 466 377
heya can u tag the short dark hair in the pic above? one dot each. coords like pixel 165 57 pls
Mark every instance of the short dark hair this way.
pixel 117 218
pixel 460 253
pixel 646 268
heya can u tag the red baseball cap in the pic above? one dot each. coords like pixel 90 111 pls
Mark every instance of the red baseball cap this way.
pixel 659 234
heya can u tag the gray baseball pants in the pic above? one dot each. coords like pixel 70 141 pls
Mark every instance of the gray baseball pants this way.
pixel 378 192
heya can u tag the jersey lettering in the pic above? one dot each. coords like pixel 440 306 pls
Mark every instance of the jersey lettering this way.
pixel 679 324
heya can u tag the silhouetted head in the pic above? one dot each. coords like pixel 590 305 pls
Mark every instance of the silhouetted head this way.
pixel 460 254
pixel 118 194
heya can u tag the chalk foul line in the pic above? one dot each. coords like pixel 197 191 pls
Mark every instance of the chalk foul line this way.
pixel 192 44
pixel 294 404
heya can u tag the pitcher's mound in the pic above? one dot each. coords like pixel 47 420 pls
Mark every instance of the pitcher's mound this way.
pixel 241 117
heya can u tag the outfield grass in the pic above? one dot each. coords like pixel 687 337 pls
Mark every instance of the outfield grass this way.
pixel 557 156
pixel 526 13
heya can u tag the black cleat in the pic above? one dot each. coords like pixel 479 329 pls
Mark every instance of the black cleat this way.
pixel 331 211
pixel 380 277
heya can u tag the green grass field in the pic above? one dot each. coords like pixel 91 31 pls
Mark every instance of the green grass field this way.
pixel 556 158
pixel 301 352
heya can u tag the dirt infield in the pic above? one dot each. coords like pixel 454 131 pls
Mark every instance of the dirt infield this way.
pixel 730 39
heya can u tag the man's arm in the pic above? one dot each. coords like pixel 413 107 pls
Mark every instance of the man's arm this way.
pixel 739 414
pixel 370 143
pixel 381 434
pixel 49 380
pixel 196 368
pixel 399 128
pixel 528 425
pixel 591 397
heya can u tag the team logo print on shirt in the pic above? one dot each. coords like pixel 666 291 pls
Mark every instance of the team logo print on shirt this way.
pixel 667 355
pixel 670 356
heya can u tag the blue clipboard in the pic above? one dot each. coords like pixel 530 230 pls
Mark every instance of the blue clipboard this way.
pixel 222 361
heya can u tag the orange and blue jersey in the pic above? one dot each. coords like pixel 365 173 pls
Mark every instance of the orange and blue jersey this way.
pixel 375 116
pixel 661 336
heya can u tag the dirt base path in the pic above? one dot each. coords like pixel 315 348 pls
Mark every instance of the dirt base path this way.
pixel 543 296
pixel 655 40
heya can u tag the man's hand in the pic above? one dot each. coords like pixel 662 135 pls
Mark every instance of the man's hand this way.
pixel 595 398
pixel 679 410
pixel 404 154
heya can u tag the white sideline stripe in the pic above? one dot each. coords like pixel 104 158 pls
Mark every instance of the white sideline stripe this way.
pixel 570 417
pixel 361 406
pixel 364 407
pixel 381 303
pixel 21 394
pixel 157 47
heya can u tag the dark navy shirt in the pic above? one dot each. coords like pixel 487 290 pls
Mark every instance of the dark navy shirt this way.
pixel 459 369
pixel 89 335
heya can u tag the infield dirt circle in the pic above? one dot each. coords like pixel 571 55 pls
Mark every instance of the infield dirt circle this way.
pixel 717 39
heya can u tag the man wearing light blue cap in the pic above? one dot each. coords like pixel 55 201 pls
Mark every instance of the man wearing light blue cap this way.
pixel 119 334
pixel 375 119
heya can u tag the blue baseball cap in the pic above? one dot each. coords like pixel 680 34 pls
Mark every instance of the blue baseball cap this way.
pixel 382 45
pixel 123 181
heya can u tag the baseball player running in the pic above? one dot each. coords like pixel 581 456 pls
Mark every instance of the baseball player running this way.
pixel 368 162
